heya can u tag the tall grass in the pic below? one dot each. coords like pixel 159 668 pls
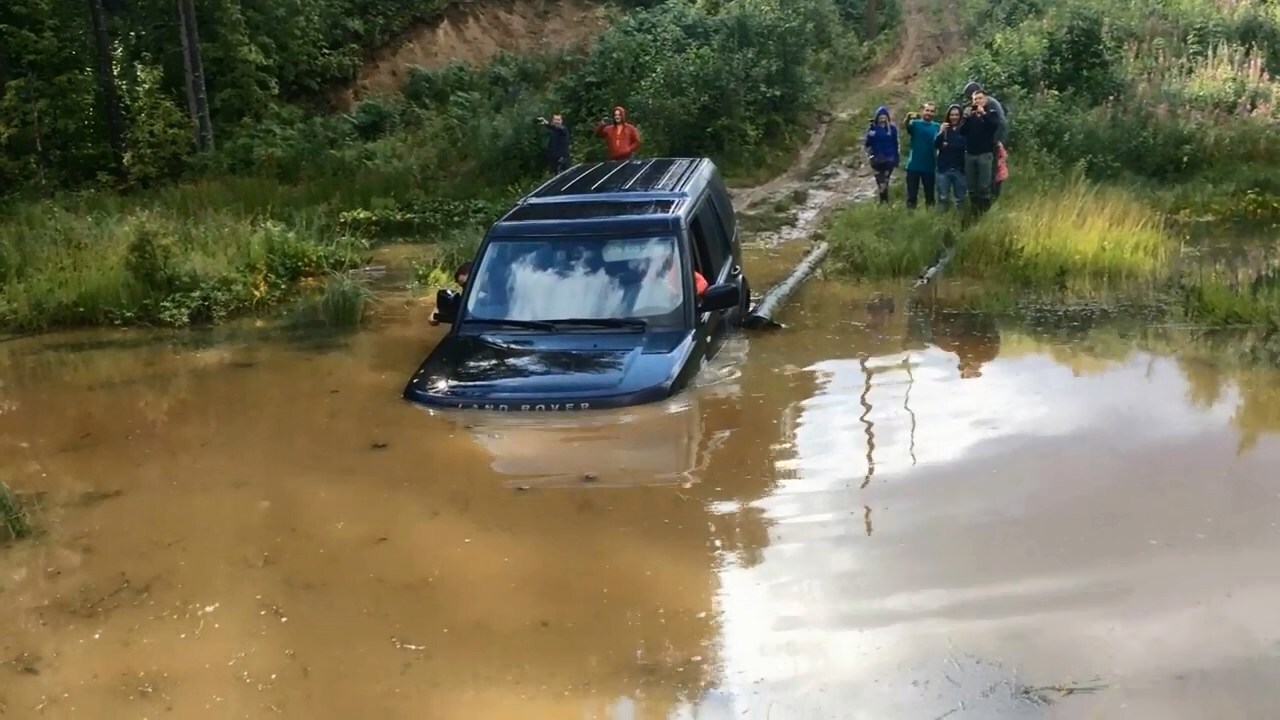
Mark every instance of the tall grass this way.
pixel 1057 233
pixel 155 265
pixel 873 241
pixel 1076 231
pixel 343 301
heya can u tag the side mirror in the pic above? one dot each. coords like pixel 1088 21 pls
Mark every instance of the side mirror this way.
pixel 724 296
pixel 447 304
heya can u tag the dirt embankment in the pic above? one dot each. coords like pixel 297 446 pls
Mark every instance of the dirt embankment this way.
pixel 474 33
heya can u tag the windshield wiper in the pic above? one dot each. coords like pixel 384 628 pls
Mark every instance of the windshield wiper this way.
pixel 627 323
pixel 524 324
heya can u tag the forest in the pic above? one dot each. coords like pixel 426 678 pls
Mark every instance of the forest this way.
pixel 177 163
pixel 168 163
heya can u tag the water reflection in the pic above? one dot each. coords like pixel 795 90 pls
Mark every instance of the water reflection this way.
pixel 884 511
pixel 1043 506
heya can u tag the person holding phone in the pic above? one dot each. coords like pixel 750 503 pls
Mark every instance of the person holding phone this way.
pixel 979 130
pixel 922 130
pixel 557 155
pixel 950 160
pixel 621 138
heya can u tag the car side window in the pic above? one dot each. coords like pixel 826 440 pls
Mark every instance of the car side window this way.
pixel 701 259
pixel 724 208
pixel 710 236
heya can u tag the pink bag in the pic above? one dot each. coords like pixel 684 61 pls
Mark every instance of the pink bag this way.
pixel 1002 163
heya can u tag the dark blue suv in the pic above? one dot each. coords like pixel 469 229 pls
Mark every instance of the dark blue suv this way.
pixel 612 284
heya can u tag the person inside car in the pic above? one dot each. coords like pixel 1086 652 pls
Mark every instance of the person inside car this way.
pixel 461 276
pixel 673 280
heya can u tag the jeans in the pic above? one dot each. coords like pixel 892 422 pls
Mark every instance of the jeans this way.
pixel 914 181
pixel 950 185
pixel 977 177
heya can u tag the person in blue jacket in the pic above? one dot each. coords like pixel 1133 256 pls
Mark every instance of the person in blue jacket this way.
pixel 882 150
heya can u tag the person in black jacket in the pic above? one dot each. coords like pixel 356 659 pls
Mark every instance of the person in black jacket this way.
pixel 979 129
pixel 557 143
pixel 950 162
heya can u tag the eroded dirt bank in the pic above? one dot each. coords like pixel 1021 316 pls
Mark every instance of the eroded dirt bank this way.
pixel 474 34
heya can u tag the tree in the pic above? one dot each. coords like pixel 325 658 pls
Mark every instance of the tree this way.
pixel 108 95
pixel 193 62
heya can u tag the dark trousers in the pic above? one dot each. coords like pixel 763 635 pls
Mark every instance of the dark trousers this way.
pixel 914 181
pixel 883 173
pixel 977 178
pixel 557 165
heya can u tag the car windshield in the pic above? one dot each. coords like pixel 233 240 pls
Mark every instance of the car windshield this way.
pixel 608 280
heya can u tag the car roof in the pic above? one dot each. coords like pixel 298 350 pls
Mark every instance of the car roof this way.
pixel 621 196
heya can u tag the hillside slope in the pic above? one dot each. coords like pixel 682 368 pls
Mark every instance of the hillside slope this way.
pixel 473 34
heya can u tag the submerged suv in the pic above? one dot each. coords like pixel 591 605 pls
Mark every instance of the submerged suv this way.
pixel 609 285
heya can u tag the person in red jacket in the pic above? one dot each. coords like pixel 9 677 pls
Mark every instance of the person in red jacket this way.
pixel 621 138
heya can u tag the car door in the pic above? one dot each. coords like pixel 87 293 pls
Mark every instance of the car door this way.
pixel 715 262
pixel 729 222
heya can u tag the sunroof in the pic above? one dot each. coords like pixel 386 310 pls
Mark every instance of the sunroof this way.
pixel 653 175
pixel 589 210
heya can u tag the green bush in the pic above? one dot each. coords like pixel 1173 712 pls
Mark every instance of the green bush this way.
pixel 726 82
pixel 1132 89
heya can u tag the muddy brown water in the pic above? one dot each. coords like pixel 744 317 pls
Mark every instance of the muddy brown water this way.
pixel 861 516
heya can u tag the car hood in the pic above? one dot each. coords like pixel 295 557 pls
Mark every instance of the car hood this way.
pixel 467 369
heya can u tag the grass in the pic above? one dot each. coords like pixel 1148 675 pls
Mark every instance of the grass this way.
pixel 13 517
pixel 157 265
pixel 1063 240
pixel 1073 231
pixel 343 300
pixel 874 241
pixel 1059 233
pixel 1243 195
pixel 1221 296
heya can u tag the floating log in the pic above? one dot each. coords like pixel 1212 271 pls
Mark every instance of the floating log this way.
pixel 761 317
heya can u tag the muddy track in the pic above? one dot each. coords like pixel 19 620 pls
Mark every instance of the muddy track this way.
pixel 929 33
